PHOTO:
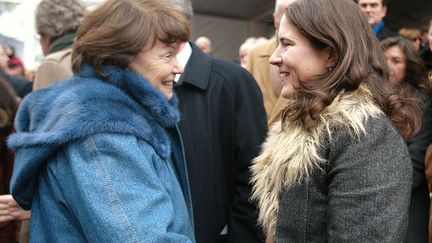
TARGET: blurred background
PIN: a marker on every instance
(228, 23)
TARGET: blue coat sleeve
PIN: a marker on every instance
(121, 191)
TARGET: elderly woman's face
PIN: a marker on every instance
(396, 61)
(297, 59)
(159, 66)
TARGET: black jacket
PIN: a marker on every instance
(385, 33)
(419, 208)
(426, 55)
(20, 85)
(223, 124)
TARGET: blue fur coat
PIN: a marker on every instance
(101, 161)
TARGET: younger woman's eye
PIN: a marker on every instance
(285, 42)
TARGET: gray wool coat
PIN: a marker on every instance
(345, 178)
(361, 195)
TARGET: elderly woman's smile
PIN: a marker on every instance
(159, 65)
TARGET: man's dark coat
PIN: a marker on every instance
(223, 124)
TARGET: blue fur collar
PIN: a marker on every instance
(124, 103)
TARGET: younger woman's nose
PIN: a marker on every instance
(275, 58)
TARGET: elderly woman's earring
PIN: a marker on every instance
(330, 69)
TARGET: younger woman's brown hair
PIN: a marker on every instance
(340, 25)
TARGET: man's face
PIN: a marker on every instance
(374, 10)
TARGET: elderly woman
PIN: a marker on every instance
(407, 73)
(56, 23)
(336, 169)
(98, 156)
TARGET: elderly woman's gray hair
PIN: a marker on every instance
(55, 18)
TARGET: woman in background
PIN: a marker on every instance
(336, 168)
(407, 74)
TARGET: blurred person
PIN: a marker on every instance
(427, 53)
(15, 64)
(244, 49)
(204, 44)
(427, 59)
(98, 156)
(9, 227)
(375, 11)
(413, 35)
(424, 39)
(247, 46)
(260, 40)
(30, 74)
(266, 75)
(408, 75)
(336, 168)
(20, 85)
(56, 23)
(223, 126)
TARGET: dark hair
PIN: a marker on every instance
(340, 25)
(116, 31)
(8, 104)
(8, 107)
(415, 73)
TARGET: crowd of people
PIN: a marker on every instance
(130, 131)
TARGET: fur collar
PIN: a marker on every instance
(71, 109)
(289, 156)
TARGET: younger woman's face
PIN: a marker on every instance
(297, 59)
(396, 61)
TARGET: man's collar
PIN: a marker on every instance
(183, 58)
(198, 69)
(378, 27)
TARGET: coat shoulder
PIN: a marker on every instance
(233, 74)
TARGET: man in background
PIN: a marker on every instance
(56, 23)
(375, 11)
(223, 124)
(204, 44)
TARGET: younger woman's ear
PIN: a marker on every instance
(331, 57)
